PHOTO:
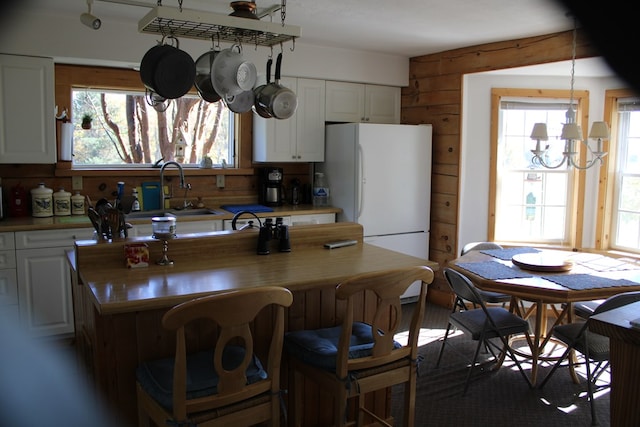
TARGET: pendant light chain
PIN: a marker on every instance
(283, 11)
(571, 111)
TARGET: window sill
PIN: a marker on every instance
(150, 171)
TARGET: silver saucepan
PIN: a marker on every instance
(280, 101)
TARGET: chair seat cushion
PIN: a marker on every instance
(473, 321)
(319, 347)
(598, 344)
(494, 297)
(156, 376)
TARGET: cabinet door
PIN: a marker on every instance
(273, 139)
(310, 117)
(44, 291)
(382, 104)
(344, 102)
(299, 138)
(27, 124)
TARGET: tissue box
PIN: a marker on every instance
(136, 255)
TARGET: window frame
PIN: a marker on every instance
(74, 76)
(576, 216)
(606, 191)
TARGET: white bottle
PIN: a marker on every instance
(320, 190)
(135, 207)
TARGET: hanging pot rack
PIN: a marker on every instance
(195, 24)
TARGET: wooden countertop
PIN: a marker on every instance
(79, 221)
(615, 323)
(221, 261)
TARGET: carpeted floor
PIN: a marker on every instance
(494, 398)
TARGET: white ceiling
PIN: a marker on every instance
(402, 27)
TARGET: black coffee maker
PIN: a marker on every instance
(271, 190)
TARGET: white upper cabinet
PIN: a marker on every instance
(27, 110)
(362, 103)
(299, 138)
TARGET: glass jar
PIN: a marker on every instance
(164, 227)
(42, 201)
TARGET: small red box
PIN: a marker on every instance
(136, 255)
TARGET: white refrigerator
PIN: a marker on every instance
(380, 176)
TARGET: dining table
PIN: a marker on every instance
(551, 280)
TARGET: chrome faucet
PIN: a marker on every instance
(182, 184)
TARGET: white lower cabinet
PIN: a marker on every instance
(182, 227)
(327, 218)
(244, 220)
(8, 280)
(44, 282)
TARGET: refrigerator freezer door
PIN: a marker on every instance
(414, 244)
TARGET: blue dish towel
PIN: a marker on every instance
(251, 208)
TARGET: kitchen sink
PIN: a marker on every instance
(173, 212)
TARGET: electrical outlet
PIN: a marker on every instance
(76, 182)
(220, 181)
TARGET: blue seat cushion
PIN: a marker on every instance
(156, 376)
(319, 347)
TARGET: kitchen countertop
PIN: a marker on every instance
(218, 261)
(79, 221)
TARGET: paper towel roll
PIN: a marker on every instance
(66, 143)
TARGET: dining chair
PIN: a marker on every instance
(487, 296)
(355, 358)
(482, 323)
(226, 384)
(593, 347)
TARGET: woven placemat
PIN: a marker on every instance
(493, 270)
(579, 282)
(507, 254)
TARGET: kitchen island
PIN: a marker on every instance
(118, 311)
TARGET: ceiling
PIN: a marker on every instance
(404, 27)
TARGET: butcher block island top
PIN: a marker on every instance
(118, 310)
(220, 261)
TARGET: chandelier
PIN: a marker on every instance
(571, 133)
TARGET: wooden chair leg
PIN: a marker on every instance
(340, 407)
(410, 399)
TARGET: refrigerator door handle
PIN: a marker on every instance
(361, 180)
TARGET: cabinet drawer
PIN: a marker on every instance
(8, 287)
(7, 241)
(51, 238)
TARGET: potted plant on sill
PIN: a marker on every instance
(86, 121)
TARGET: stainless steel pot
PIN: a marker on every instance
(203, 77)
(280, 101)
(257, 107)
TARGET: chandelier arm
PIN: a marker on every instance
(539, 160)
(588, 165)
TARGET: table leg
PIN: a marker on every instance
(537, 333)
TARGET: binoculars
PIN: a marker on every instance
(270, 231)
